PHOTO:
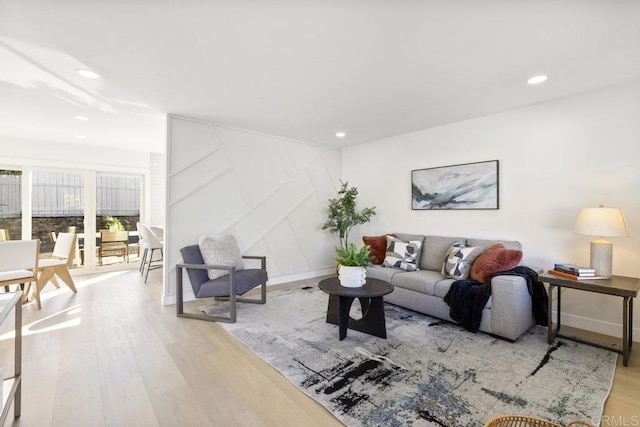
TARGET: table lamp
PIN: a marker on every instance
(602, 222)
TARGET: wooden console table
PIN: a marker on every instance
(12, 386)
(625, 287)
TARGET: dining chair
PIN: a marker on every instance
(152, 244)
(144, 248)
(18, 262)
(50, 269)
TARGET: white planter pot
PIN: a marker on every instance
(352, 277)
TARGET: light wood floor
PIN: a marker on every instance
(111, 355)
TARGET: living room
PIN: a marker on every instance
(562, 145)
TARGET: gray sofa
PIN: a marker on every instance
(508, 312)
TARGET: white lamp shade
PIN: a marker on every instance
(603, 222)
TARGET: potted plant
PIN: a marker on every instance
(113, 224)
(351, 263)
(342, 217)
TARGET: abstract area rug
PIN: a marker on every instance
(427, 372)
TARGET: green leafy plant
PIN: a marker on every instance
(343, 215)
(114, 224)
(351, 256)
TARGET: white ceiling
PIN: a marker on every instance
(300, 69)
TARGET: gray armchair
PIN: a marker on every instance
(225, 288)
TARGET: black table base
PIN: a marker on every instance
(372, 321)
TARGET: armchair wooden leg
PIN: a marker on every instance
(180, 304)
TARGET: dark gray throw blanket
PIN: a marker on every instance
(467, 298)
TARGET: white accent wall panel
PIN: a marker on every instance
(269, 192)
(196, 140)
(257, 165)
(197, 175)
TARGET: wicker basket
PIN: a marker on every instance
(526, 421)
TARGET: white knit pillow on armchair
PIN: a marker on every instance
(220, 250)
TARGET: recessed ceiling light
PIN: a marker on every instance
(88, 73)
(340, 134)
(80, 136)
(537, 79)
(83, 118)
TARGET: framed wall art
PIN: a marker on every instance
(465, 186)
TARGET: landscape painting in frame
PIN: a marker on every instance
(466, 186)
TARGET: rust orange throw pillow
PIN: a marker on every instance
(493, 260)
(377, 247)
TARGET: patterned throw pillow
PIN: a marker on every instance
(401, 254)
(220, 250)
(459, 260)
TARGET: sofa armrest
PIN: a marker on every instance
(511, 313)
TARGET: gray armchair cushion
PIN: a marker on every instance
(191, 255)
(203, 287)
(245, 281)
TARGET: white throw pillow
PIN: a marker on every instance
(220, 250)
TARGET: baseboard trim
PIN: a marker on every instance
(594, 325)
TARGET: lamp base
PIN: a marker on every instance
(602, 257)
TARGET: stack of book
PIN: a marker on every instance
(575, 272)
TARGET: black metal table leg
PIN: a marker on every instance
(626, 331)
(630, 323)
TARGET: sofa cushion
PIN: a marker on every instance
(422, 281)
(381, 273)
(377, 247)
(485, 243)
(442, 287)
(494, 260)
(402, 254)
(435, 250)
(407, 237)
(459, 259)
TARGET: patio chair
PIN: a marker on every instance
(114, 241)
(18, 262)
(225, 288)
(51, 269)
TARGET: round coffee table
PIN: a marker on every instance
(370, 296)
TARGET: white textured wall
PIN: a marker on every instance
(269, 192)
(555, 158)
(157, 188)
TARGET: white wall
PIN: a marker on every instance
(158, 180)
(555, 158)
(269, 192)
